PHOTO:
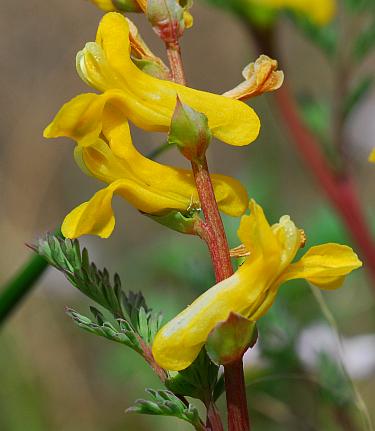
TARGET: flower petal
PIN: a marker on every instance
(105, 5)
(89, 116)
(260, 77)
(320, 12)
(95, 217)
(256, 234)
(372, 156)
(150, 101)
(324, 266)
(179, 342)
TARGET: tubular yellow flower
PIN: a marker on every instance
(372, 156)
(253, 288)
(320, 12)
(119, 5)
(149, 102)
(105, 150)
(260, 77)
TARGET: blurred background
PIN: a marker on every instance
(55, 376)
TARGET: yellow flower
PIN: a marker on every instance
(260, 77)
(252, 289)
(320, 12)
(120, 5)
(372, 156)
(105, 150)
(149, 102)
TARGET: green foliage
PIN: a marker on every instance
(165, 403)
(197, 381)
(123, 334)
(365, 42)
(129, 309)
(316, 114)
(358, 93)
(360, 5)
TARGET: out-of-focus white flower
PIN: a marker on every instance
(358, 353)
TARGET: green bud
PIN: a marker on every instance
(189, 131)
(127, 5)
(230, 339)
(177, 221)
(169, 18)
(150, 67)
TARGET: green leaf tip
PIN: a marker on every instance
(165, 403)
(128, 309)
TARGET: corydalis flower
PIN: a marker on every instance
(372, 156)
(105, 150)
(253, 288)
(149, 102)
(120, 5)
(320, 12)
(260, 77)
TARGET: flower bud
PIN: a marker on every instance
(230, 339)
(177, 221)
(168, 18)
(189, 131)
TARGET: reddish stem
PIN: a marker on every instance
(175, 61)
(339, 188)
(213, 418)
(212, 231)
(148, 356)
(216, 238)
(238, 418)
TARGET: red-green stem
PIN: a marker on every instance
(175, 61)
(213, 418)
(238, 418)
(214, 234)
(339, 188)
(217, 240)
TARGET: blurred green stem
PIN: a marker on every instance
(15, 290)
(20, 285)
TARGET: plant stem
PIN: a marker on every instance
(344, 419)
(215, 237)
(238, 418)
(213, 418)
(218, 244)
(175, 61)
